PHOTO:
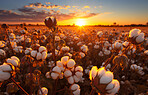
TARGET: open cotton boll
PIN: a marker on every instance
(44, 91)
(15, 58)
(4, 75)
(96, 46)
(42, 48)
(84, 48)
(2, 52)
(107, 52)
(134, 32)
(106, 78)
(47, 75)
(57, 38)
(76, 38)
(101, 72)
(56, 69)
(13, 62)
(67, 73)
(82, 54)
(39, 56)
(44, 55)
(101, 53)
(93, 72)
(59, 64)
(71, 63)
(64, 60)
(117, 45)
(116, 87)
(70, 80)
(125, 43)
(54, 75)
(140, 38)
(5, 68)
(79, 74)
(66, 48)
(133, 66)
(33, 53)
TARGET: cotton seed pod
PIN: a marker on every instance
(50, 22)
(101, 72)
(116, 87)
(15, 58)
(67, 73)
(33, 53)
(71, 63)
(2, 52)
(39, 56)
(42, 49)
(64, 60)
(79, 74)
(121, 60)
(44, 91)
(47, 75)
(13, 62)
(140, 38)
(76, 79)
(44, 55)
(70, 80)
(93, 72)
(79, 68)
(75, 89)
(134, 33)
(5, 68)
(106, 78)
(54, 75)
(4, 75)
(56, 69)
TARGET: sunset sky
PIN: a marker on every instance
(93, 12)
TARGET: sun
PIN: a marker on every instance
(80, 22)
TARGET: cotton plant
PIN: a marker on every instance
(43, 91)
(7, 68)
(84, 48)
(2, 44)
(103, 81)
(67, 68)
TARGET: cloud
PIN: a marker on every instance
(34, 12)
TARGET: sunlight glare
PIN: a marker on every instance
(80, 22)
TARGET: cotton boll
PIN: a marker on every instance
(107, 52)
(4, 75)
(79, 68)
(56, 69)
(42, 48)
(125, 43)
(96, 46)
(39, 56)
(51, 64)
(79, 74)
(67, 73)
(82, 54)
(117, 45)
(140, 38)
(101, 53)
(64, 60)
(71, 63)
(59, 64)
(93, 72)
(106, 78)
(101, 71)
(5, 68)
(33, 53)
(44, 55)
(43, 90)
(54, 75)
(57, 38)
(74, 87)
(134, 32)
(70, 80)
(15, 58)
(146, 52)
(84, 48)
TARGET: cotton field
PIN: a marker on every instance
(52, 60)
